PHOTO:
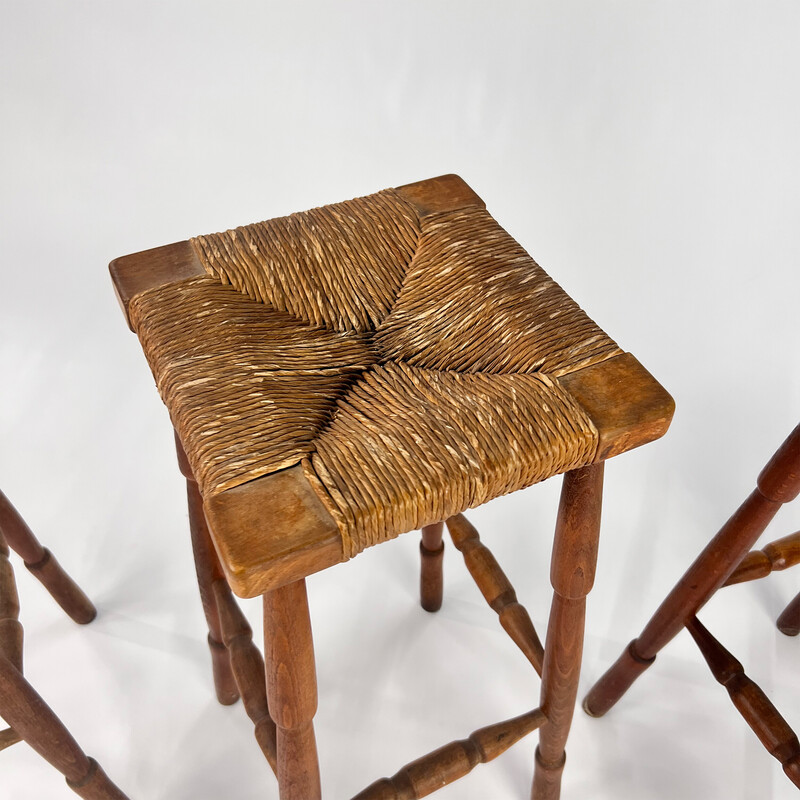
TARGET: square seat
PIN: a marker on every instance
(343, 375)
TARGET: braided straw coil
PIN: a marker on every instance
(405, 360)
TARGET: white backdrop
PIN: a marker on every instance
(646, 154)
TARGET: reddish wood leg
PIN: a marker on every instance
(208, 570)
(43, 565)
(292, 689)
(572, 575)
(789, 620)
(431, 550)
(763, 718)
(778, 483)
(35, 722)
(248, 668)
(496, 589)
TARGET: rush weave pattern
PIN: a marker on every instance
(406, 361)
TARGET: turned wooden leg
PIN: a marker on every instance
(35, 722)
(42, 564)
(431, 550)
(763, 718)
(292, 689)
(572, 575)
(10, 628)
(789, 620)
(208, 570)
(496, 589)
(778, 483)
(248, 668)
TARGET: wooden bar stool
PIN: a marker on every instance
(347, 374)
(726, 560)
(30, 718)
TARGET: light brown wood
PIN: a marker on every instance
(292, 689)
(496, 589)
(435, 195)
(274, 531)
(572, 570)
(778, 555)
(453, 761)
(149, 269)
(625, 402)
(755, 707)
(248, 669)
(431, 581)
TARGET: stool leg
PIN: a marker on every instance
(789, 620)
(35, 722)
(208, 570)
(431, 583)
(572, 575)
(43, 565)
(778, 483)
(10, 627)
(292, 689)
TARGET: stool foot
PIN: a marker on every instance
(789, 620)
(617, 680)
(431, 583)
(62, 588)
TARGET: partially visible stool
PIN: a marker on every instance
(726, 560)
(30, 718)
(350, 373)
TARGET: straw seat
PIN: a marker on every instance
(343, 375)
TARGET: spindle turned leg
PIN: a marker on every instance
(431, 549)
(755, 707)
(43, 565)
(208, 570)
(36, 724)
(572, 575)
(248, 668)
(292, 689)
(778, 483)
(789, 620)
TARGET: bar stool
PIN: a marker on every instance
(726, 560)
(30, 718)
(343, 375)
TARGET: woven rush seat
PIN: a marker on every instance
(385, 362)
(343, 375)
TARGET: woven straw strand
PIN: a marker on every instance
(475, 301)
(248, 388)
(340, 266)
(409, 446)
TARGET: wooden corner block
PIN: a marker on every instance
(445, 193)
(272, 531)
(627, 405)
(148, 269)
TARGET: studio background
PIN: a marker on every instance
(646, 154)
